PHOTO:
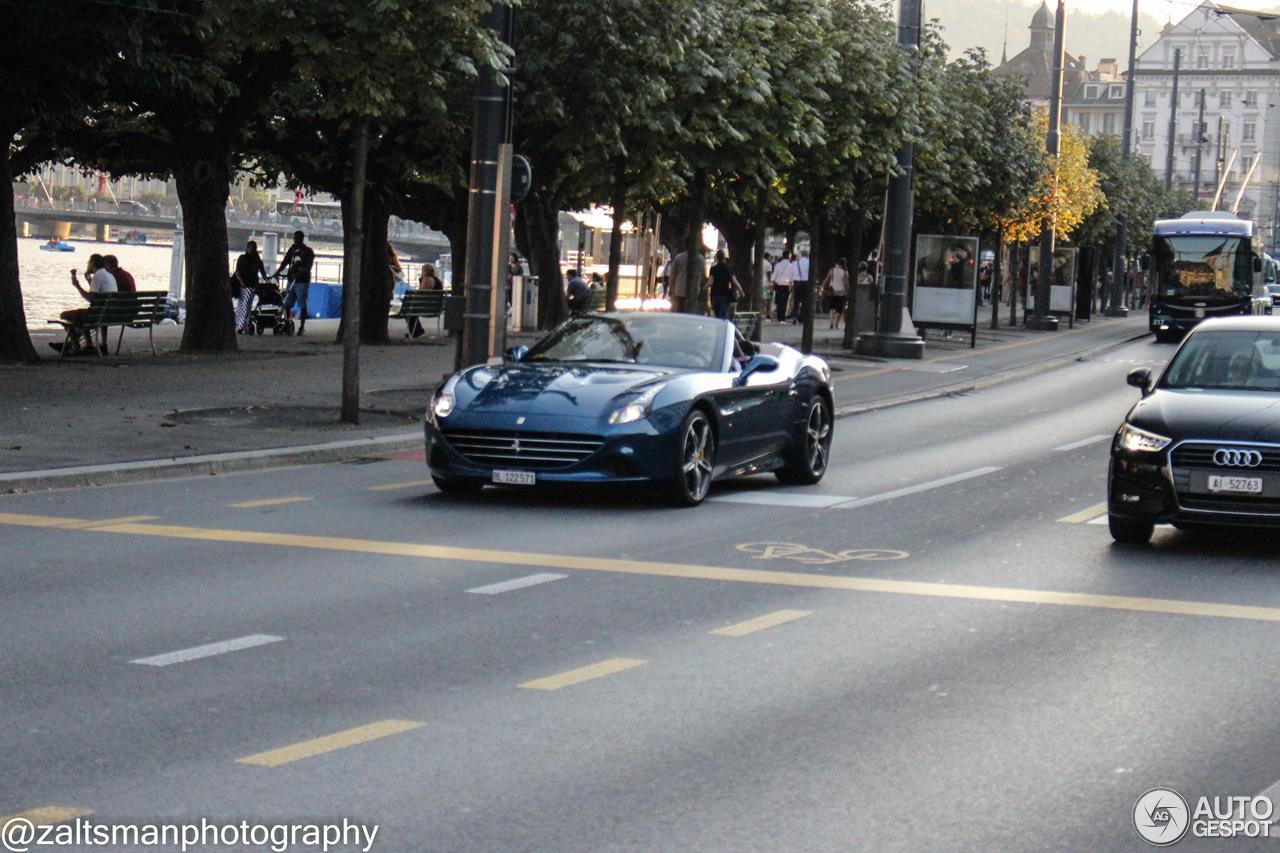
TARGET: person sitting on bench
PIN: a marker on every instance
(99, 281)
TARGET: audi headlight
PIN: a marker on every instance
(443, 405)
(636, 410)
(1140, 441)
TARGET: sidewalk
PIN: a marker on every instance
(283, 392)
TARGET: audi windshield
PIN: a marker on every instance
(1233, 360)
(1195, 266)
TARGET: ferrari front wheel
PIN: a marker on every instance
(696, 460)
(811, 449)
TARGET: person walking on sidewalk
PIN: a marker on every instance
(836, 288)
(784, 275)
(725, 289)
(801, 288)
(249, 271)
(767, 301)
(298, 261)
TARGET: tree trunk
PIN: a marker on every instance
(354, 247)
(814, 285)
(203, 178)
(377, 283)
(695, 267)
(615, 237)
(740, 237)
(1015, 258)
(997, 268)
(15, 340)
(540, 226)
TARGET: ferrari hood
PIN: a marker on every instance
(556, 389)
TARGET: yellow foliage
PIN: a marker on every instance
(1068, 193)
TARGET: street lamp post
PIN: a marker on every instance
(1115, 305)
(1042, 319)
(890, 339)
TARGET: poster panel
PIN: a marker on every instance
(1062, 290)
(945, 280)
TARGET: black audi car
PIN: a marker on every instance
(1202, 446)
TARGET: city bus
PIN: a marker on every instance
(1204, 264)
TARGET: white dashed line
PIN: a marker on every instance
(518, 583)
(1084, 442)
(772, 498)
(920, 487)
(209, 650)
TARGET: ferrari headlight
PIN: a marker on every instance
(636, 410)
(442, 406)
(1140, 441)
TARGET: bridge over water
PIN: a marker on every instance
(45, 221)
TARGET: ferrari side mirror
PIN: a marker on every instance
(757, 364)
(516, 353)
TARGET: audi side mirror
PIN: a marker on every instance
(757, 364)
(1140, 378)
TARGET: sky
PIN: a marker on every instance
(1162, 9)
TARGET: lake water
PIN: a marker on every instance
(46, 276)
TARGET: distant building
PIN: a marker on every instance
(1091, 100)
(1233, 57)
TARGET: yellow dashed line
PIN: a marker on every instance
(1087, 514)
(761, 622)
(268, 502)
(585, 673)
(107, 522)
(391, 487)
(329, 743)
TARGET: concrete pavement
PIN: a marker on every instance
(948, 655)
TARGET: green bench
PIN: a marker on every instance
(141, 310)
(599, 301)
(419, 304)
(746, 323)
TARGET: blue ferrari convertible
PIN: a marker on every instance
(669, 400)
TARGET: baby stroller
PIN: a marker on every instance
(268, 310)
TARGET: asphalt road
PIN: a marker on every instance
(948, 656)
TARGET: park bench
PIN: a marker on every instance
(421, 303)
(141, 310)
(599, 301)
(746, 322)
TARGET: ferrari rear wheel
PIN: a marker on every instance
(811, 452)
(696, 460)
(454, 486)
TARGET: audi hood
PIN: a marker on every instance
(1224, 415)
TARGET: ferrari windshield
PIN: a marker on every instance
(1202, 266)
(661, 339)
(1235, 360)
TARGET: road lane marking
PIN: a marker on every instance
(919, 487)
(45, 815)
(268, 502)
(1102, 519)
(1084, 442)
(329, 743)
(583, 673)
(410, 484)
(774, 498)
(792, 552)
(105, 522)
(208, 650)
(761, 622)
(518, 583)
(1085, 515)
(670, 570)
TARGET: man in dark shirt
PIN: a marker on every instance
(298, 261)
(124, 280)
(579, 295)
(724, 287)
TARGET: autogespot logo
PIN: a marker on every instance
(1161, 817)
(1232, 458)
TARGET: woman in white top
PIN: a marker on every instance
(836, 288)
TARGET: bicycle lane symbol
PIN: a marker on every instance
(817, 556)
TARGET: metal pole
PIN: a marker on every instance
(1043, 319)
(1115, 305)
(487, 212)
(1199, 146)
(891, 338)
(1173, 121)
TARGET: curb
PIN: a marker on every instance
(986, 382)
(212, 463)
